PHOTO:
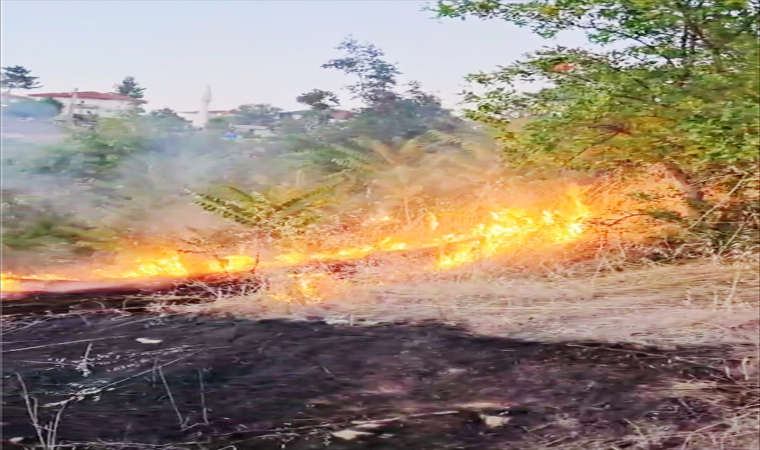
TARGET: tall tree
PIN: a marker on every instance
(130, 88)
(388, 113)
(376, 76)
(18, 77)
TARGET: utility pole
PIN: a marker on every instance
(70, 115)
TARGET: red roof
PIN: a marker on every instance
(7, 95)
(340, 114)
(90, 95)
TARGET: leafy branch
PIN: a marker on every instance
(271, 215)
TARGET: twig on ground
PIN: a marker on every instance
(204, 410)
(638, 352)
(47, 440)
(83, 366)
(180, 419)
(62, 343)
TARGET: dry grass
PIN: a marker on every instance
(693, 303)
(697, 303)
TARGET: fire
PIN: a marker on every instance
(459, 237)
(500, 231)
(170, 266)
(509, 228)
(306, 287)
(9, 284)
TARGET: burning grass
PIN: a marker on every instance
(692, 303)
(532, 289)
(508, 219)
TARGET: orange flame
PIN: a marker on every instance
(499, 231)
(310, 287)
(9, 284)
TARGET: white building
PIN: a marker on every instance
(89, 103)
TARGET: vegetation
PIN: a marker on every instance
(319, 100)
(38, 109)
(387, 113)
(18, 77)
(257, 114)
(272, 213)
(672, 82)
(129, 87)
(28, 226)
(167, 119)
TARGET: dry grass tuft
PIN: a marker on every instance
(704, 302)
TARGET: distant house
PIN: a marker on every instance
(93, 104)
(340, 115)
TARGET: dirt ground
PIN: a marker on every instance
(134, 381)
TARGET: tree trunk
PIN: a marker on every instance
(695, 197)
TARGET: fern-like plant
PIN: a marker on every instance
(271, 214)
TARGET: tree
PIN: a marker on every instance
(220, 123)
(377, 77)
(412, 113)
(130, 88)
(387, 113)
(165, 113)
(93, 156)
(168, 120)
(56, 105)
(18, 77)
(258, 114)
(680, 88)
(319, 100)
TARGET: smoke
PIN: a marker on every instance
(146, 191)
(133, 176)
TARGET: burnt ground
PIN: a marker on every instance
(271, 384)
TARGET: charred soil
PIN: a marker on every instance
(198, 382)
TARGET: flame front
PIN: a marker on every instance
(508, 229)
(9, 284)
(458, 238)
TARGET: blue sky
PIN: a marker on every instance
(253, 51)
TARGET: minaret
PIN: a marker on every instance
(203, 113)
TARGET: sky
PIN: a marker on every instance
(246, 51)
